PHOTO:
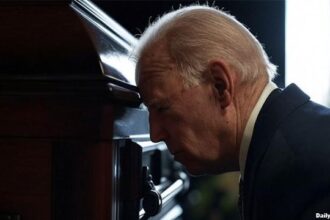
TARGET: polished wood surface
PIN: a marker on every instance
(56, 117)
(55, 158)
(45, 40)
(82, 180)
(25, 171)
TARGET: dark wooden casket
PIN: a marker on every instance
(74, 140)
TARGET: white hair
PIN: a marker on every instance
(195, 35)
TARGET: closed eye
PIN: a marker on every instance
(159, 106)
(162, 109)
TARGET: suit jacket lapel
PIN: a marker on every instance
(276, 108)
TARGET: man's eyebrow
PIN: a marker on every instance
(148, 76)
(154, 102)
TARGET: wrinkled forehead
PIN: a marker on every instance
(153, 60)
(160, 87)
(158, 75)
(158, 78)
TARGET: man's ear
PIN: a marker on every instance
(222, 80)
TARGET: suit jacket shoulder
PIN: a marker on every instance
(287, 166)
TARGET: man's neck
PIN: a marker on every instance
(249, 126)
(247, 99)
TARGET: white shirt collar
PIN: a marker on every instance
(248, 131)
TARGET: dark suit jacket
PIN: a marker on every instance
(288, 165)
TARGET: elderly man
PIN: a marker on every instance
(206, 81)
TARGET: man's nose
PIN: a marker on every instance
(157, 132)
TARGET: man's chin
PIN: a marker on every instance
(195, 171)
(191, 166)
